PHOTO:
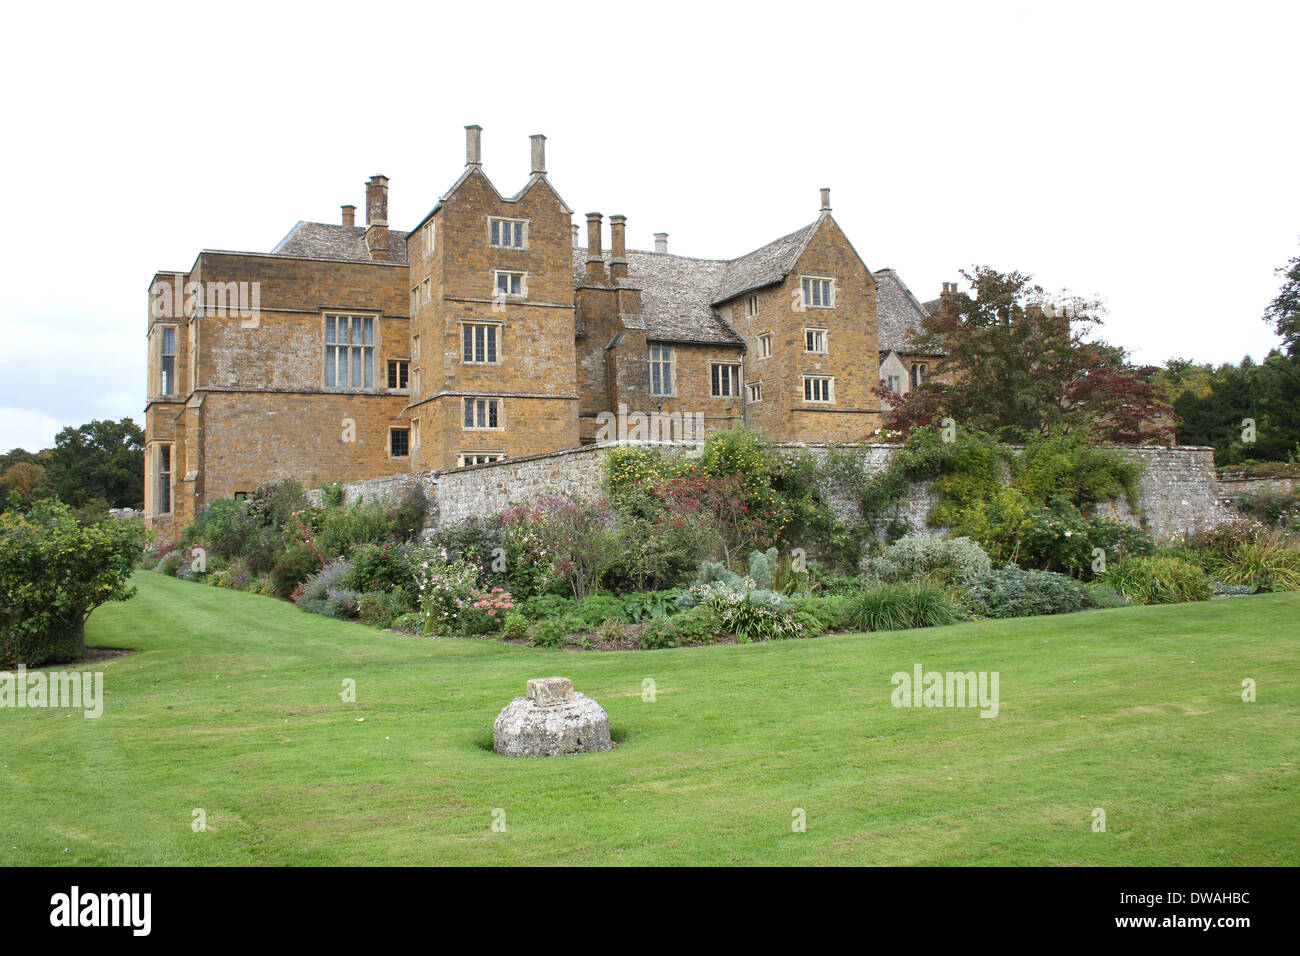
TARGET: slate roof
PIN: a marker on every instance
(764, 266)
(676, 295)
(898, 312)
(320, 240)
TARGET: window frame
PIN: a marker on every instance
(388, 369)
(817, 332)
(491, 405)
(159, 473)
(731, 380)
(523, 225)
(428, 240)
(523, 284)
(492, 456)
(830, 291)
(498, 337)
(809, 394)
(764, 345)
(368, 350)
(754, 392)
(669, 363)
(392, 430)
(751, 306)
(167, 378)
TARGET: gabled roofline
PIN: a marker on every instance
(908, 292)
(803, 247)
(517, 197)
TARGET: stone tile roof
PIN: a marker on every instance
(764, 266)
(320, 240)
(898, 312)
(676, 295)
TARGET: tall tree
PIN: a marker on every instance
(101, 459)
(1021, 364)
(1284, 310)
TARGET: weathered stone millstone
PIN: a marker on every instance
(552, 719)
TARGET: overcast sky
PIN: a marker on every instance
(1142, 152)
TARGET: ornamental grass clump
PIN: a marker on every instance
(1271, 564)
(1158, 579)
(893, 607)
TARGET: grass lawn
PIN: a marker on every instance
(232, 704)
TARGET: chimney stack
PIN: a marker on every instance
(618, 247)
(474, 145)
(376, 200)
(577, 236)
(539, 154)
(661, 242)
(595, 262)
(826, 199)
(349, 215)
(377, 218)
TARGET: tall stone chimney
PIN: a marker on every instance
(661, 242)
(377, 218)
(539, 154)
(377, 200)
(595, 261)
(474, 145)
(577, 235)
(349, 215)
(826, 199)
(618, 247)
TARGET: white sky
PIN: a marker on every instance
(1142, 152)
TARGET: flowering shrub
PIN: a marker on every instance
(451, 601)
(577, 540)
(315, 593)
(749, 612)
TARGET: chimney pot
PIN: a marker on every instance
(539, 154)
(826, 199)
(474, 145)
(661, 242)
(349, 215)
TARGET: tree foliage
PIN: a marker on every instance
(1249, 412)
(53, 573)
(1284, 310)
(101, 459)
(1021, 366)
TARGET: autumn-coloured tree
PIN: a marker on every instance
(1021, 364)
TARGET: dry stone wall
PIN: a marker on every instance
(1177, 494)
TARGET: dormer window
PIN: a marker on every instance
(507, 233)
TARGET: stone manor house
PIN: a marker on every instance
(489, 331)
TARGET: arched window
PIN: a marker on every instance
(918, 374)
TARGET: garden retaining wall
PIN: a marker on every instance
(1178, 493)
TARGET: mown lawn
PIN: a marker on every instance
(232, 704)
